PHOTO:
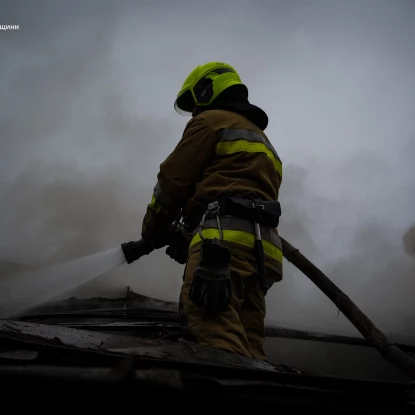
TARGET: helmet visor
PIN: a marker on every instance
(185, 103)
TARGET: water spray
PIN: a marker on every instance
(22, 292)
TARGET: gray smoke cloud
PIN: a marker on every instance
(409, 241)
(88, 119)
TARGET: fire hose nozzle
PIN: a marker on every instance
(134, 250)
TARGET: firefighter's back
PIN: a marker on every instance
(244, 160)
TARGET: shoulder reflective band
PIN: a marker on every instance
(160, 201)
(241, 232)
(233, 140)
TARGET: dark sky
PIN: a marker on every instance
(86, 117)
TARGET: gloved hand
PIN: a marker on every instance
(211, 286)
(178, 246)
(159, 241)
(156, 228)
(211, 293)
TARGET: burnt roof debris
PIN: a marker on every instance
(73, 304)
(122, 346)
(56, 367)
(141, 314)
(64, 337)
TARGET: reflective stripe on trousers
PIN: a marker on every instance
(242, 232)
(232, 140)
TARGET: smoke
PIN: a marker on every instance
(408, 240)
(88, 119)
(55, 213)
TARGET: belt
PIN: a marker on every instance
(243, 208)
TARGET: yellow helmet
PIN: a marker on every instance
(204, 84)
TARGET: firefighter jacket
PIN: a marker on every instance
(221, 153)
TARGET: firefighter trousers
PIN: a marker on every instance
(238, 329)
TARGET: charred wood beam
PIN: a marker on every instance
(325, 337)
(175, 331)
(122, 372)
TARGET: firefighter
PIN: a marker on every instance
(222, 180)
